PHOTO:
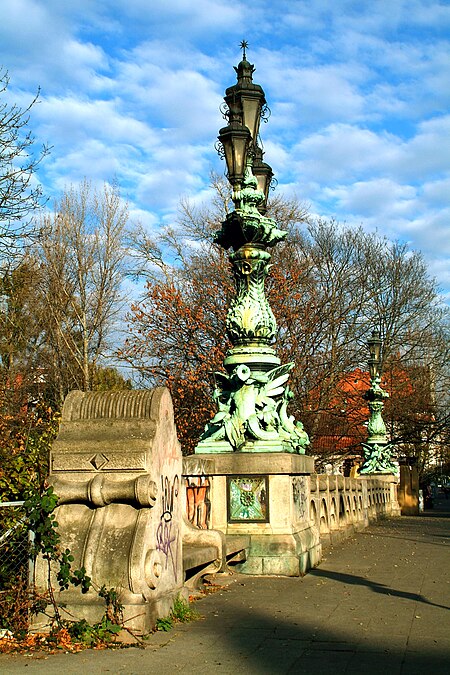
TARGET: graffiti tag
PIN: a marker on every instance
(299, 495)
(197, 501)
(167, 532)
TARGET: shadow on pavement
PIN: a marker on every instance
(269, 644)
(373, 585)
(418, 529)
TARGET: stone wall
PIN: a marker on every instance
(148, 523)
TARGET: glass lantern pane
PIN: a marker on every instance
(262, 184)
(228, 151)
(251, 110)
(240, 147)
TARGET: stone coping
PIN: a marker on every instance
(256, 463)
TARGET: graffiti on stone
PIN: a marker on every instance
(198, 505)
(167, 532)
(300, 496)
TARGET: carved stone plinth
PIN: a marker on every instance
(116, 467)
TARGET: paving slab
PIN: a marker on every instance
(378, 601)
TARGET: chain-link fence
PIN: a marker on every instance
(16, 569)
(15, 565)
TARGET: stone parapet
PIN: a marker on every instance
(251, 463)
(287, 511)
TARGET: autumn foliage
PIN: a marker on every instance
(184, 364)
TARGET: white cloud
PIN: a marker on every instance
(184, 100)
(382, 197)
(179, 15)
(72, 119)
(343, 151)
(429, 151)
(319, 94)
(437, 192)
(40, 49)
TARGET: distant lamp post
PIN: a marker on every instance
(252, 396)
(377, 449)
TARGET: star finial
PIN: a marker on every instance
(244, 46)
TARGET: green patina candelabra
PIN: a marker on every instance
(377, 449)
(253, 395)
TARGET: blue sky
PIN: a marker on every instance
(359, 93)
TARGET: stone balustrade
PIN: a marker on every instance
(340, 506)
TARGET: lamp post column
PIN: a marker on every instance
(377, 449)
(252, 451)
(252, 395)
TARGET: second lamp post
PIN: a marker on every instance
(377, 449)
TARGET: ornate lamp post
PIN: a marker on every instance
(377, 449)
(252, 396)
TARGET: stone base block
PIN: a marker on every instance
(138, 615)
(290, 555)
(282, 539)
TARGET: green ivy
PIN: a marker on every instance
(24, 450)
(42, 522)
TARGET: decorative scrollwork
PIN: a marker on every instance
(273, 184)
(250, 316)
(225, 111)
(265, 113)
(218, 147)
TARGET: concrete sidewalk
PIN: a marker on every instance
(378, 602)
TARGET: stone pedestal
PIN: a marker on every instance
(266, 497)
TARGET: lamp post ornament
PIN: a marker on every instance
(377, 449)
(252, 395)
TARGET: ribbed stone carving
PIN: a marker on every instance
(113, 404)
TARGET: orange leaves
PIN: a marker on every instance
(37, 642)
(177, 339)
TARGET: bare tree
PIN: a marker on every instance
(20, 196)
(82, 268)
(20, 332)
